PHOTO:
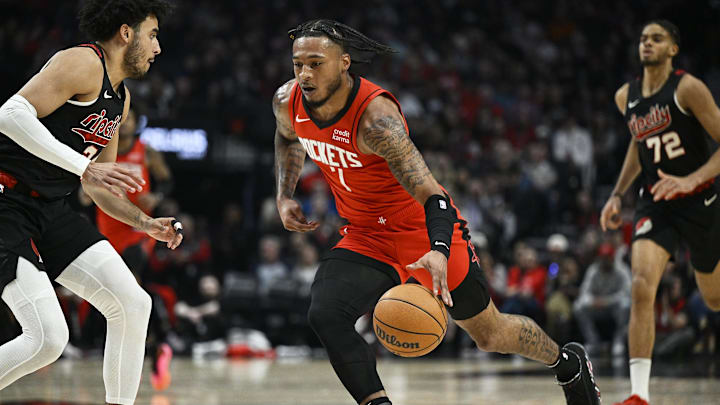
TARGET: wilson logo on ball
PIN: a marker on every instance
(392, 340)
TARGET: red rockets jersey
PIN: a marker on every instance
(118, 233)
(365, 189)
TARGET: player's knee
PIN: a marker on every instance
(643, 292)
(135, 304)
(142, 305)
(320, 318)
(55, 336)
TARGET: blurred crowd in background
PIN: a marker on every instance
(510, 102)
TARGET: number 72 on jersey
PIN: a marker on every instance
(671, 143)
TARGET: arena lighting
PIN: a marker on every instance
(187, 143)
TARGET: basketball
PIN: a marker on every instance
(409, 320)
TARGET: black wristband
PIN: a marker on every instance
(440, 216)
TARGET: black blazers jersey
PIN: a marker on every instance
(87, 127)
(669, 138)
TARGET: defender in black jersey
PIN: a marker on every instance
(58, 132)
(667, 112)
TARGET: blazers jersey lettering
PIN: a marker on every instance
(668, 137)
(363, 185)
(86, 127)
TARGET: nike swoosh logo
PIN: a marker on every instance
(438, 243)
(298, 119)
(106, 95)
(632, 104)
(710, 200)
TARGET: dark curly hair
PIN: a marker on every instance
(100, 19)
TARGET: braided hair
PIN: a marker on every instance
(347, 37)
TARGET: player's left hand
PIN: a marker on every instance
(435, 263)
(669, 186)
(162, 229)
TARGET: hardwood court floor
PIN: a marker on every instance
(311, 382)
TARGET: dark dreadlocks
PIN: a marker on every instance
(347, 37)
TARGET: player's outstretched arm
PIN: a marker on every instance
(289, 161)
(382, 131)
(122, 209)
(693, 95)
(610, 216)
(117, 205)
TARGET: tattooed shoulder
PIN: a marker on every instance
(282, 95)
(280, 102)
(382, 132)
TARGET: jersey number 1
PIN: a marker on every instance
(671, 140)
(342, 178)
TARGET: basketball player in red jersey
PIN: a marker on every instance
(402, 223)
(135, 246)
(666, 111)
(147, 161)
(57, 133)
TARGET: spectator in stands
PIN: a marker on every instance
(674, 336)
(305, 268)
(563, 291)
(526, 284)
(271, 268)
(200, 318)
(604, 296)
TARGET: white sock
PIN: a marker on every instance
(640, 377)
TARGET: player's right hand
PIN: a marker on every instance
(610, 216)
(293, 218)
(118, 178)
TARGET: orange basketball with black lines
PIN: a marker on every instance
(409, 320)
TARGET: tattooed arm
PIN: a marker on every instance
(117, 205)
(289, 160)
(382, 132)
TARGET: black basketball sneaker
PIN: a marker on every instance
(581, 389)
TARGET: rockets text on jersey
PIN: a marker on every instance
(335, 157)
(363, 185)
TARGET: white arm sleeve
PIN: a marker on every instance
(19, 122)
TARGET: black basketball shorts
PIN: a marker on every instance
(694, 220)
(59, 233)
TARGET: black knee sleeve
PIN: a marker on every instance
(343, 291)
(351, 357)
